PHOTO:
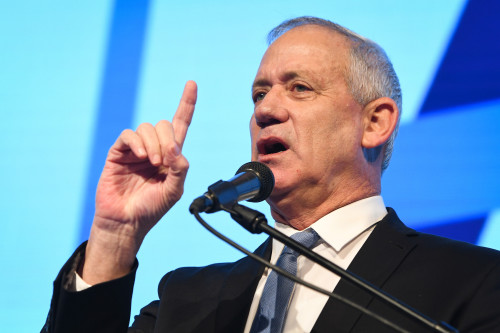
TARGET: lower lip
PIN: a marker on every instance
(268, 157)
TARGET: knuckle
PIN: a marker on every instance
(162, 123)
(126, 133)
(144, 127)
(184, 165)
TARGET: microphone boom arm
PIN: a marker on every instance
(256, 223)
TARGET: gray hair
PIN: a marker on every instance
(369, 74)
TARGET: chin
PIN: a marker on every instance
(282, 188)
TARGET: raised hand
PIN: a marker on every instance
(142, 179)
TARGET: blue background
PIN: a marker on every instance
(73, 75)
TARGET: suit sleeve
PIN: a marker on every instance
(104, 307)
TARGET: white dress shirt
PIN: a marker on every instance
(343, 232)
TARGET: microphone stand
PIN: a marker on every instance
(256, 223)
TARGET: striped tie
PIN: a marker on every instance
(270, 316)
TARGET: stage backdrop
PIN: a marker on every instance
(74, 74)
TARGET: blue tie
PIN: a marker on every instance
(273, 305)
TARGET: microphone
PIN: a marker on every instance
(253, 182)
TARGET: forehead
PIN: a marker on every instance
(307, 48)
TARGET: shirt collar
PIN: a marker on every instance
(341, 226)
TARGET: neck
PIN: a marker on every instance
(301, 210)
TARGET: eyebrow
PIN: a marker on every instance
(260, 83)
(284, 77)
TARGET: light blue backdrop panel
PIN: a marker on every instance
(50, 71)
(55, 81)
(449, 167)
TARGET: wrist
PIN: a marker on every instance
(110, 254)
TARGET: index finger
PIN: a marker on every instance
(184, 113)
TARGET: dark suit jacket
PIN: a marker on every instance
(446, 280)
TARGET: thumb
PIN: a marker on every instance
(178, 167)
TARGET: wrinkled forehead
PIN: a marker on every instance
(307, 48)
(316, 36)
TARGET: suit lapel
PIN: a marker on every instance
(239, 288)
(387, 246)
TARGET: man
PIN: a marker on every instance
(326, 111)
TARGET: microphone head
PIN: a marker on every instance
(265, 176)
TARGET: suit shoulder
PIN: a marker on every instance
(436, 247)
(465, 252)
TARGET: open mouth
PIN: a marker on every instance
(272, 146)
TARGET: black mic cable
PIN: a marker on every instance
(295, 278)
(255, 222)
(254, 181)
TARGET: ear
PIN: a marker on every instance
(380, 118)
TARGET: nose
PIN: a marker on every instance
(271, 109)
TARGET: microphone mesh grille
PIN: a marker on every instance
(265, 176)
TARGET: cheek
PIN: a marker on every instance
(253, 137)
(254, 153)
(330, 139)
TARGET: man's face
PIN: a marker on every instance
(306, 125)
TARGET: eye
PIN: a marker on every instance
(258, 96)
(300, 88)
